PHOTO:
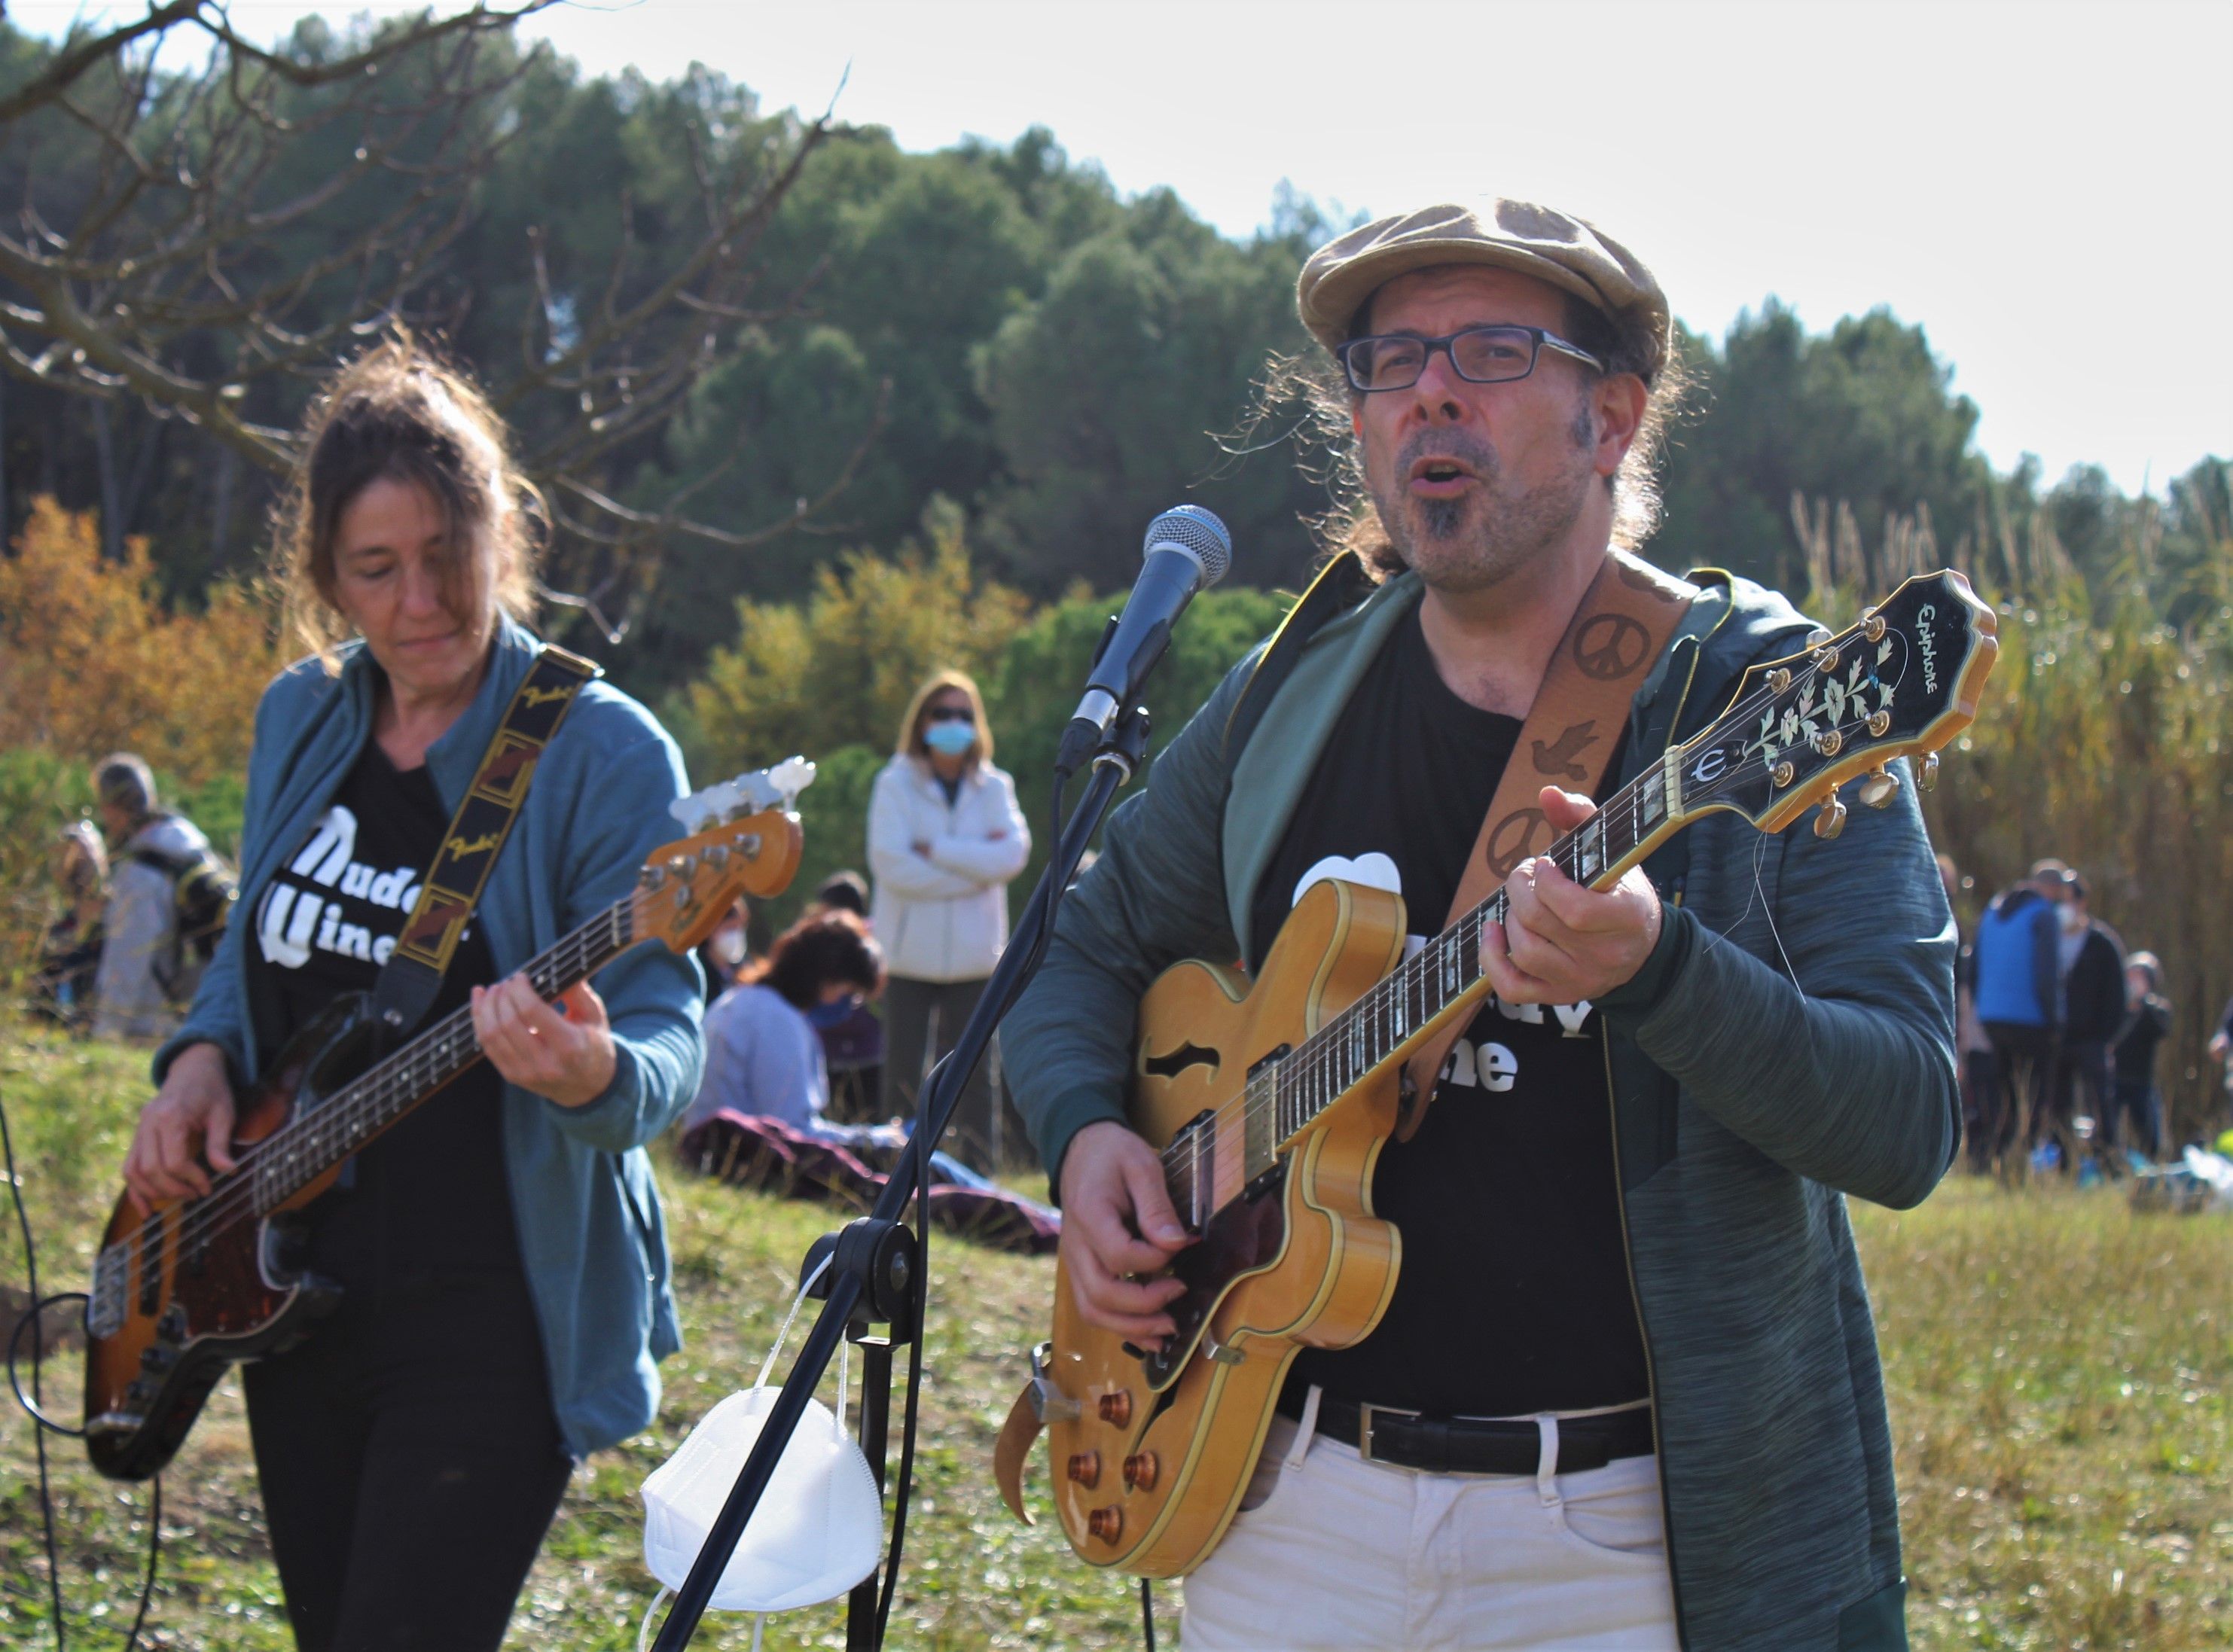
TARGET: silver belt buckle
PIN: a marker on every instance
(1365, 1416)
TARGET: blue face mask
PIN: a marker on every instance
(828, 1015)
(951, 739)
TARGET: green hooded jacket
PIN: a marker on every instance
(1789, 1042)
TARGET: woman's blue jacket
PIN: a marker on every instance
(591, 1236)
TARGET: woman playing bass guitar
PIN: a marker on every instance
(500, 1255)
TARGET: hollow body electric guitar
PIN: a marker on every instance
(184, 1290)
(1269, 1100)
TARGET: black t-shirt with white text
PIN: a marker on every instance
(1514, 1294)
(428, 1199)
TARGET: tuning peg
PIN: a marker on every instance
(1817, 637)
(1879, 788)
(1872, 624)
(1831, 821)
(1928, 779)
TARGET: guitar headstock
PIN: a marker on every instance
(745, 840)
(1902, 681)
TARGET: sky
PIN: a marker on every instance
(2046, 187)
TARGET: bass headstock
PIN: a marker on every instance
(746, 840)
(1903, 681)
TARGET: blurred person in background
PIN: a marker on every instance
(945, 840)
(853, 1044)
(149, 966)
(2134, 1119)
(2090, 960)
(722, 955)
(69, 947)
(1980, 1075)
(2018, 999)
(763, 1052)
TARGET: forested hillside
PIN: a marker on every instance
(991, 328)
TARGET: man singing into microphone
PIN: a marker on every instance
(1625, 1394)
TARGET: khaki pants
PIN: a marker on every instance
(1343, 1553)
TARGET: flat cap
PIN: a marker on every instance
(1567, 253)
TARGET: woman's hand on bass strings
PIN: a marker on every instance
(190, 1117)
(567, 1058)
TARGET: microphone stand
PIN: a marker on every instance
(872, 1274)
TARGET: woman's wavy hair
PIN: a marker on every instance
(1312, 397)
(910, 741)
(401, 413)
(827, 945)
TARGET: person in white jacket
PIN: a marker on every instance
(945, 840)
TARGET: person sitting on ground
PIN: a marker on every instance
(853, 1044)
(763, 1054)
(722, 953)
(148, 973)
(69, 948)
(2147, 1020)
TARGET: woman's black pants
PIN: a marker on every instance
(411, 1463)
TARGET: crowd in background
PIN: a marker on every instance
(2060, 1029)
(838, 1025)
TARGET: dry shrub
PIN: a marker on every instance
(93, 662)
(2105, 738)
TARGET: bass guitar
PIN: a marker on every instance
(1270, 1099)
(184, 1290)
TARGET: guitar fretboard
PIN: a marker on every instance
(312, 1143)
(1405, 1007)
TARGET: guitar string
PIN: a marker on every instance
(372, 1091)
(1294, 1079)
(1291, 1077)
(364, 1096)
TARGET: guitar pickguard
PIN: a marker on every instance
(1243, 1237)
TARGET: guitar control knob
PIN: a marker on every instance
(1139, 1471)
(1116, 1407)
(1086, 1468)
(155, 1359)
(172, 1325)
(1928, 779)
(1879, 788)
(1106, 1524)
(1831, 821)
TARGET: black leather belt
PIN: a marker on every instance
(1477, 1444)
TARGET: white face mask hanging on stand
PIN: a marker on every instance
(819, 1528)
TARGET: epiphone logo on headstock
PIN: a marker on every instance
(1708, 768)
(1928, 648)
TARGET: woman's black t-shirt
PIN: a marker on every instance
(428, 1200)
(1514, 1294)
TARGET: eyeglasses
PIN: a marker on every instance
(1480, 354)
(949, 714)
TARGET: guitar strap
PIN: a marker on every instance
(1618, 629)
(411, 978)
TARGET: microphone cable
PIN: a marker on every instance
(1049, 901)
(33, 1408)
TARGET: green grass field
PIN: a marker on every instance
(2059, 1371)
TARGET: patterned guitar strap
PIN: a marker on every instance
(412, 976)
(1619, 628)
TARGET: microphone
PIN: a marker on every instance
(1186, 548)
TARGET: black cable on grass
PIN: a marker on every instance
(34, 1407)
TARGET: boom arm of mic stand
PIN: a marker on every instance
(1112, 766)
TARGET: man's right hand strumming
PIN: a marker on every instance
(190, 1118)
(1118, 1228)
